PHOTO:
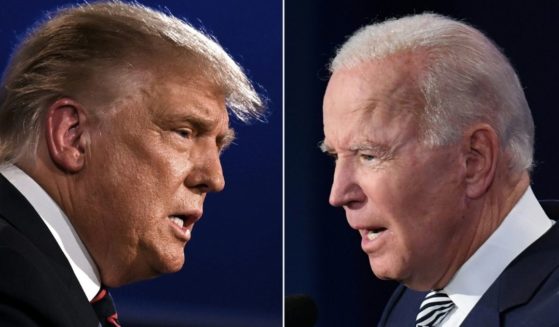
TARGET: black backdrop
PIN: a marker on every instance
(324, 258)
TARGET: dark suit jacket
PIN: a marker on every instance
(525, 294)
(37, 284)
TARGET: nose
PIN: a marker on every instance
(207, 174)
(345, 187)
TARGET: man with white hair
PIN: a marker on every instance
(433, 142)
(112, 120)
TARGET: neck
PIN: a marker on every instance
(484, 216)
(54, 181)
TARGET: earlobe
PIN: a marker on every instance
(481, 159)
(65, 134)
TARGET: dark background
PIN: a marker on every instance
(233, 271)
(324, 258)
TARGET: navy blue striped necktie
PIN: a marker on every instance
(433, 309)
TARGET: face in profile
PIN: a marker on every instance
(405, 198)
(151, 163)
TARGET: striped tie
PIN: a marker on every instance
(434, 309)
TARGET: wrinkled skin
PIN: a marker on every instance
(153, 154)
(387, 179)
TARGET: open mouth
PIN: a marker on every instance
(374, 233)
(178, 220)
(184, 222)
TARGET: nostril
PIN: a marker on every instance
(204, 188)
(211, 185)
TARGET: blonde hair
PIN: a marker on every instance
(78, 43)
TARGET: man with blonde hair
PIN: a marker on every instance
(433, 142)
(112, 120)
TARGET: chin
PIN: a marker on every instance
(401, 278)
(169, 265)
(142, 270)
(382, 271)
(173, 268)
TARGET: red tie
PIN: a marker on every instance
(105, 309)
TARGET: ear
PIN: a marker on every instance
(65, 134)
(481, 159)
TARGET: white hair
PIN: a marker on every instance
(464, 79)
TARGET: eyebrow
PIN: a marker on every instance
(370, 146)
(226, 139)
(203, 125)
(363, 146)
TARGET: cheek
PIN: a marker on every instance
(430, 209)
(169, 162)
(391, 193)
(430, 184)
(128, 188)
(415, 200)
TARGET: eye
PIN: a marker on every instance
(368, 159)
(184, 133)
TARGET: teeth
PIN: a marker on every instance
(179, 222)
(372, 235)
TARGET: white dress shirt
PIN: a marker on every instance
(522, 226)
(60, 227)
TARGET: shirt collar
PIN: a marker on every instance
(60, 227)
(521, 227)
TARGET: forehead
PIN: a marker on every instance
(174, 95)
(167, 83)
(194, 93)
(373, 97)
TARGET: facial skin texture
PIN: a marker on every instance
(155, 154)
(385, 178)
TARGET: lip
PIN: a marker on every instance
(375, 245)
(184, 233)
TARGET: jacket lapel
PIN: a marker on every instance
(537, 262)
(513, 288)
(19, 213)
(485, 313)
